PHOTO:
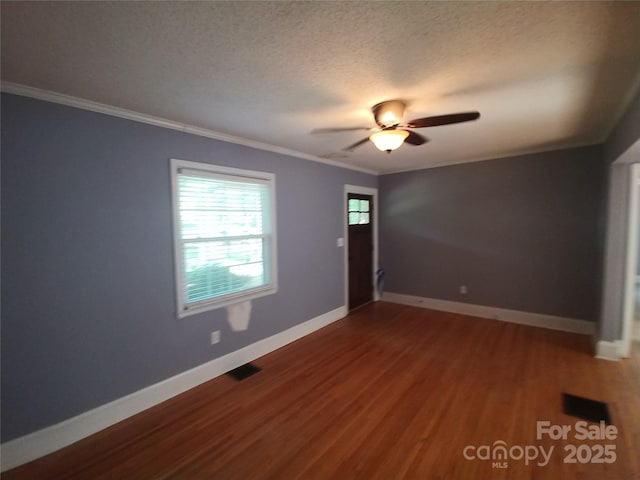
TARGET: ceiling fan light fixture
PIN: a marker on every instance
(388, 140)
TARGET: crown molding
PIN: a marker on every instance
(68, 100)
(522, 153)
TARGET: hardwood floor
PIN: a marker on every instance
(389, 392)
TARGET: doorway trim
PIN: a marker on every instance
(622, 233)
(631, 261)
(345, 218)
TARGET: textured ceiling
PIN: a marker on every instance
(544, 75)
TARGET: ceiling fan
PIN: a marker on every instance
(391, 133)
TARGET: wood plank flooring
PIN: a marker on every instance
(390, 392)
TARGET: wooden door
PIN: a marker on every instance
(360, 230)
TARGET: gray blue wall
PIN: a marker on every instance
(522, 233)
(626, 132)
(88, 301)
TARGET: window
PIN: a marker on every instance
(358, 211)
(224, 230)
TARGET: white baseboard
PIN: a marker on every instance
(505, 315)
(42, 442)
(608, 350)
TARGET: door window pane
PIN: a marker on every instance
(358, 211)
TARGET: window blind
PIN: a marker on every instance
(225, 235)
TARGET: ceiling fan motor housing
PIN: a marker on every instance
(389, 113)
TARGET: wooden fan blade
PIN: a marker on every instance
(351, 148)
(443, 120)
(335, 130)
(415, 138)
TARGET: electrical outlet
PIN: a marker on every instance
(215, 337)
(463, 289)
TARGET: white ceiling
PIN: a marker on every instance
(544, 75)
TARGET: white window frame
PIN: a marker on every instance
(184, 309)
